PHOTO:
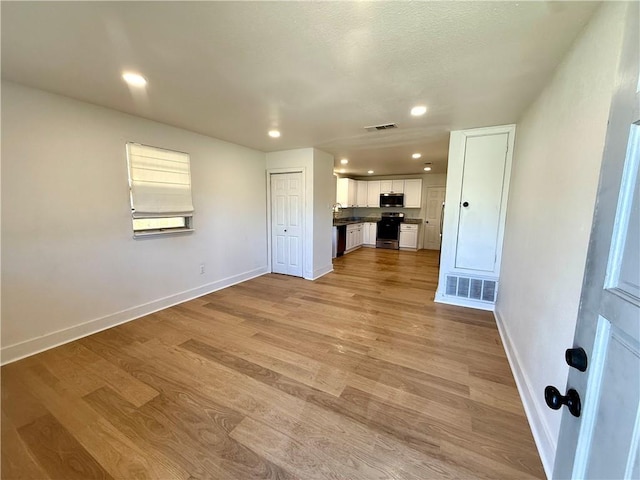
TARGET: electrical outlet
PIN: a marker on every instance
(201, 268)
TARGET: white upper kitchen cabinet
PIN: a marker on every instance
(362, 193)
(397, 186)
(386, 186)
(413, 193)
(478, 176)
(373, 193)
(391, 186)
(346, 192)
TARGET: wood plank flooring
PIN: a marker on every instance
(358, 375)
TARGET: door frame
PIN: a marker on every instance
(277, 171)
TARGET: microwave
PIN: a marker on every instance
(392, 199)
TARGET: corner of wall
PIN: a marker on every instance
(545, 441)
(12, 353)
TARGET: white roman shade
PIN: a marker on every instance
(160, 182)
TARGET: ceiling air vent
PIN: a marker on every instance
(386, 126)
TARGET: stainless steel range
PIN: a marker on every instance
(389, 230)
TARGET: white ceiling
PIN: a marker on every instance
(317, 71)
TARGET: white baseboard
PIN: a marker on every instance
(545, 442)
(353, 249)
(320, 272)
(463, 302)
(14, 352)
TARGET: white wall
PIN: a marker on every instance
(323, 199)
(318, 176)
(559, 145)
(69, 263)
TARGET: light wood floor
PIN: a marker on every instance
(358, 375)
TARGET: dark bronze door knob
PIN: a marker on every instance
(555, 400)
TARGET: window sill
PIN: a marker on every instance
(168, 231)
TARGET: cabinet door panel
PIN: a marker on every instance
(373, 194)
(351, 201)
(413, 193)
(483, 178)
(361, 193)
(342, 192)
(408, 238)
(397, 186)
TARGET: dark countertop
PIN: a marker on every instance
(352, 220)
(349, 221)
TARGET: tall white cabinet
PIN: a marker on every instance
(475, 211)
(346, 194)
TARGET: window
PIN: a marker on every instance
(160, 190)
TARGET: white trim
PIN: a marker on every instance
(623, 211)
(633, 450)
(321, 272)
(14, 352)
(545, 441)
(463, 302)
(591, 401)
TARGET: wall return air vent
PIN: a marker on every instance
(471, 288)
(376, 128)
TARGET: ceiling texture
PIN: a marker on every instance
(317, 71)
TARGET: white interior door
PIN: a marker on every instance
(286, 223)
(435, 199)
(481, 202)
(603, 442)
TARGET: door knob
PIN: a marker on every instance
(576, 358)
(555, 400)
(465, 204)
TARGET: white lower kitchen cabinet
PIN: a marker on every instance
(370, 230)
(354, 236)
(408, 236)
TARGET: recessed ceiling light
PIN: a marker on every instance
(274, 133)
(344, 161)
(134, 79)
(418, 110)
(416, 155)
(370, 172)
(427, 169)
